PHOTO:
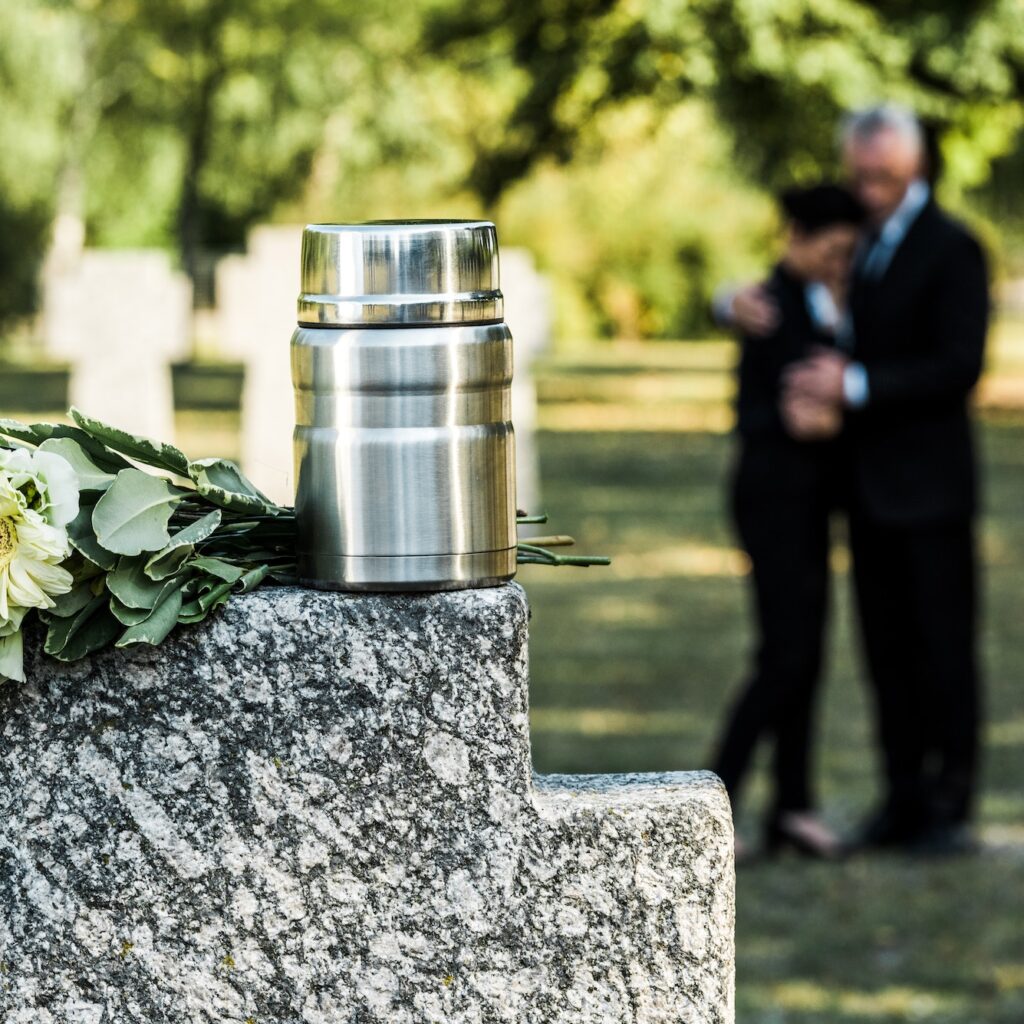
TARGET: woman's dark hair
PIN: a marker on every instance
(822, 206)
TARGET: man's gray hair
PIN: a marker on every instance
(865, 124)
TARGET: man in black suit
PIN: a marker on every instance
(914, 343)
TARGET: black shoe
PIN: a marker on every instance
(945, 840)
(890, 829)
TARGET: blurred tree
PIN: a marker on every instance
(183, 122)
(30, 149)
(190, 119)
(232, 94)
(24, 231)
(779, 72)
(637, 232)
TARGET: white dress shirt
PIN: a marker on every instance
(824, 313)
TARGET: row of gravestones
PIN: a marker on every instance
(121, 318)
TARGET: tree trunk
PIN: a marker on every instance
(190, 226)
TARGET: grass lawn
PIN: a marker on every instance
(633, 668)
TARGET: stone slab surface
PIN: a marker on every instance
(319, 809)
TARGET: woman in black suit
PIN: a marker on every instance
(783, 493)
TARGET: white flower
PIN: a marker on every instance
(38, 498)
(31, 575)
(47, 483)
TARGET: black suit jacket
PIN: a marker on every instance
(773, 468)
(920, 333)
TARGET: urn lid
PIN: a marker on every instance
(400, 273)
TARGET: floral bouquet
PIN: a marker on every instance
(108, 553)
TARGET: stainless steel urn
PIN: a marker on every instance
(402, 365)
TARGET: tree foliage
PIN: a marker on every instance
(779, 72)
(181, 123)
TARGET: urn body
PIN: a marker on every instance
(404, 446)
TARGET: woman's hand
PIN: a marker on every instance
(819, 377)
(808, 419)
(752, 310)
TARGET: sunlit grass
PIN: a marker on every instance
(687, 386)
(1009, 977)
(586, 416)
(611, 722)
(633, 356)
(686, 560)
(633, 669)
(807, 997)
(1006, 733)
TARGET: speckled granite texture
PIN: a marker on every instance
(318, 809)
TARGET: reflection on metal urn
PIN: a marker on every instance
(402, 367)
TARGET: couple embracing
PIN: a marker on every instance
(859, 355)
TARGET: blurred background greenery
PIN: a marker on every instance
(631, 144)
(633, 147)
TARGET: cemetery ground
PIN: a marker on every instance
(634, 666)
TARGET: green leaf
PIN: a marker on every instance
(203, 595)
(285, 576)
(92, 628)
(60, 630)
(22, 431)
(216, 567)
(170, 559)
(99, 631)
(38, 433)
(73, 601)
(128, 616)
(131, 586)
(132, 516)
(252, 579)
(141, 449)
(202, 599)
(12, 658)
(215, 596)
(157, 625)
(162, 565)
(223, 483)
(90, 476)
(83, 539)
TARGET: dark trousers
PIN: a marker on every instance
(783, 523)
(916, 594)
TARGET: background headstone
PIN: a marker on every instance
(529, 316)
(120, 318)
(256, 303)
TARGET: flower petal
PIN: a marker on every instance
(11, 623)
(61, 486)
(38, 539)
(34, 584)
(11, 502)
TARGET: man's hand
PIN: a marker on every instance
(819, 378)
(806, 419)
(754, 311)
